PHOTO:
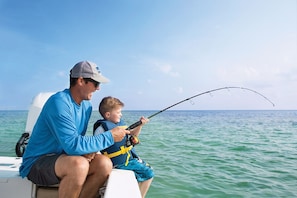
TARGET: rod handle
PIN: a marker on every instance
(136, 124)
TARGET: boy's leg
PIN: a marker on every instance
(144, 186)
(143, 173)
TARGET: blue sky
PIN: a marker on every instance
(155, 52)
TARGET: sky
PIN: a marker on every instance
(155, 52)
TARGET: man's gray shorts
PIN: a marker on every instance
(43, 170)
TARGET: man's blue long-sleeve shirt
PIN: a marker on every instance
(61, 128)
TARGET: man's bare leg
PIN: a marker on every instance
(144, 186)
(100, 169)
(75, 172)
(72, 170)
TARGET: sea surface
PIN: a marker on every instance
(209, 154)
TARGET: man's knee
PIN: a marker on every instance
(102, 163)
(105, 161)
(79, 166)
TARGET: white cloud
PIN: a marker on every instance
(61, 74)
(179, 90)
(149, 81)
(165, 68)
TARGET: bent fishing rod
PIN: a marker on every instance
(136, 124)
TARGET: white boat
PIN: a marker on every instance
(121, 183)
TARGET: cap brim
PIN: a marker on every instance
(100, 78)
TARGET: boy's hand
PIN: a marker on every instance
(144, 120)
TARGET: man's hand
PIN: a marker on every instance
(118, 133)
(90, 156)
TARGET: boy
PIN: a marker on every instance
(122, 155)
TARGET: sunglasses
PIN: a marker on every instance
(96, 84)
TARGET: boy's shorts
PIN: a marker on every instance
(43, 171)
(142, 170)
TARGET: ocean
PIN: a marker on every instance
(212, 154)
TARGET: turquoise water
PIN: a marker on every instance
(205, 153)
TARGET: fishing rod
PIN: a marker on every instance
(136, 124)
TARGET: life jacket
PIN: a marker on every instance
(119, 153)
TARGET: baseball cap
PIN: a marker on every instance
(87, 69)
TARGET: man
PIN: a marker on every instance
(58, 150)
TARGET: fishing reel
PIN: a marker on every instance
(132, 140)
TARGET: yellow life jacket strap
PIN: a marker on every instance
(123, 150)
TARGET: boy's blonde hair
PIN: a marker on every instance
(108, 103)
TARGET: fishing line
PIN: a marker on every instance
(136, 124)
